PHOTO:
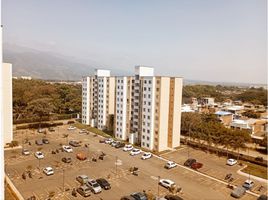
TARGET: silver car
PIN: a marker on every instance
(94, 186)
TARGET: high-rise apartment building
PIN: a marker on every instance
(98, 93)
(147, 108)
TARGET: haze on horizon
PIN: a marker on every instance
(211, 40)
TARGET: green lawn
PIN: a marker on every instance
(91, 129)
(255, 170)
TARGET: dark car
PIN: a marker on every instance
(74, 143)
(103, 183)
(238, 192)
(51, 129)
(189, 162)
(102, 140)
(196, 165)
(127, 198)
(119, 145)
(173, 197)
(262, 197)
(139, 196)
(39, 142)
(66, 160)
(45, 141)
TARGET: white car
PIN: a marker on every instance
(94, 186)
(146, 155)
(71, 128)
(128, 147)
(135, 152)
(39, 155)
(170, 164)
(109, 141)
(48, 171)
(231, 162)
(248, 184)
(167, 183)
(114, 143)
(67, 148)
(25, 152)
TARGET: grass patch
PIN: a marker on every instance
(255, 170)
(91, 129)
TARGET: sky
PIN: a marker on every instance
(211, 40)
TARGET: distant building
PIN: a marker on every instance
(207, 101)
(26, 77)
(240, 124)
(7, 103)
(186, 108)
(225, 117)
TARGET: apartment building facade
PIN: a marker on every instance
(98, 93)
(147, 108)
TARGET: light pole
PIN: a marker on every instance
(158, 186)
(116, 166)
(63, 180)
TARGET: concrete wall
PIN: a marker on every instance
(7, 103)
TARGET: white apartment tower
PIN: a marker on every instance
(147, 108)
(98, 93)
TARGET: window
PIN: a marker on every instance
(147, 145)
(148, 138)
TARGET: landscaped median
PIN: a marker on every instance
(91, 129)
(255, 170)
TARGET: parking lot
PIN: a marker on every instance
(214, 166)
(115, 168)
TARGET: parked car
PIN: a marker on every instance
(39, 142)
(259, 158)
(103, 183)
(170, 164)
(108, 141)
(146, 155)
(114, 143)
(238, 192)
(139, 196)
(262, 197)
(94, 186)
(135, 152)
(102, 140)
(66, 160)
(127, 198)
(83, 179)
(67, 149)
(39, 130)
(167, 183)
(74, 143)
(189, 162)
(39, 155)
(128, 147)
(45, 141)
(84, 191)
(120, 145)
(48, 171)
(173, 197)
(196, 165)
(83, 131)
(71, 128)
(25, 152)
(81, 156)
(231, 161)
(51, 129)
(248, 184)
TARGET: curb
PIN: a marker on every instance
(251, 176)
(13, 188)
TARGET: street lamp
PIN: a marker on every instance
(63, 179)
(158, 186)
(116, 166)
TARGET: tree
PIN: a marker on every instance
(41, 107)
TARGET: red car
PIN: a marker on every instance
(81, 156)
(196, 165)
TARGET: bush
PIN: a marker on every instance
(70, 122)
(36, 125)
(14, 143)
